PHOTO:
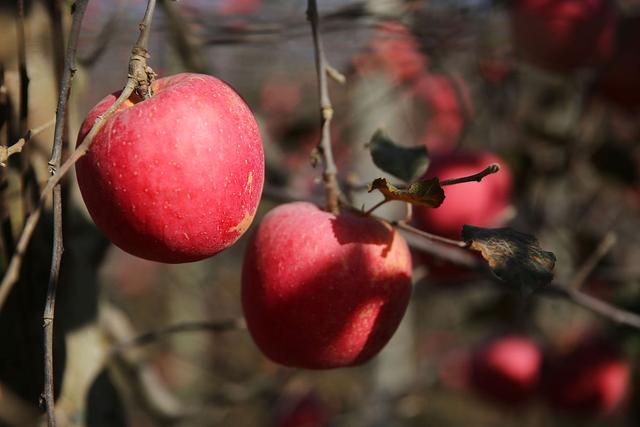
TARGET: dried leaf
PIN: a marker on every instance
(406, 163)
(422, 193)
(514, 257)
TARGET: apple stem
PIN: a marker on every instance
(491, 169)
(326, 112)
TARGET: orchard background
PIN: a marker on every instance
(547, 89)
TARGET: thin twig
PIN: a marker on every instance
(493, 168)
(590, 263)
(404, 226)
(58, 246)
(376, 206)
(22, 69)
(138, 80)
(6, 152)
(151, 336)
(326, 112)
(595, 305)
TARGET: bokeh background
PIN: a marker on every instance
(550, 88)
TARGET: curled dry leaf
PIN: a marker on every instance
(514, 257)
(422, 193)
(405, 163)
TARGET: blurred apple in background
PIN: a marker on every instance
(394, 50)
(482, 204)
(507, 368)
(562, 35)
(618, 81)
(447, 102)
(304, 410)
(593, 378)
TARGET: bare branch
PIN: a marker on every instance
(211, 326)
(585, 270)
(491, 169)
(326, 112)
(139, 79)
(6, 152)
(58, 248)
(406, 227)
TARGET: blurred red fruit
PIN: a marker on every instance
(619, 82)
(303, 411)
(448, 104)
(482, 204)
(592, 379)
(239, 7)
(394, 50)
(507, 369)
(562, 35)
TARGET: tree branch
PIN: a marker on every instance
(491, 169)
(326, 112)
(58, 247)
(151, 336)
(6, 152)
(139, 79)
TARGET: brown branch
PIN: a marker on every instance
(6, 152)
(491, 169)
(595, 305)
(22, 69)
(210, 326)
(590, 263)
(58, 247)
(138, 80)
(332, 191)
(406, 227)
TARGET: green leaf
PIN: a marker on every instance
(514, 257)
(422, 193)
(406, 163)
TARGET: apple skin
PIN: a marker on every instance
(562, 35)
(482, 204)
(175, 178)
(591, 379)
(323, 291)
(507, 369)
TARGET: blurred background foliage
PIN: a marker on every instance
(550, 87)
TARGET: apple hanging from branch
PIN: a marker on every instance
(176, 177)
(321, 290)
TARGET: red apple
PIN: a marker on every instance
(482, 204)
(177, 177)
(507, 368)
(619, 81)
(562, 35)
(324, 291)
(592, 379)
